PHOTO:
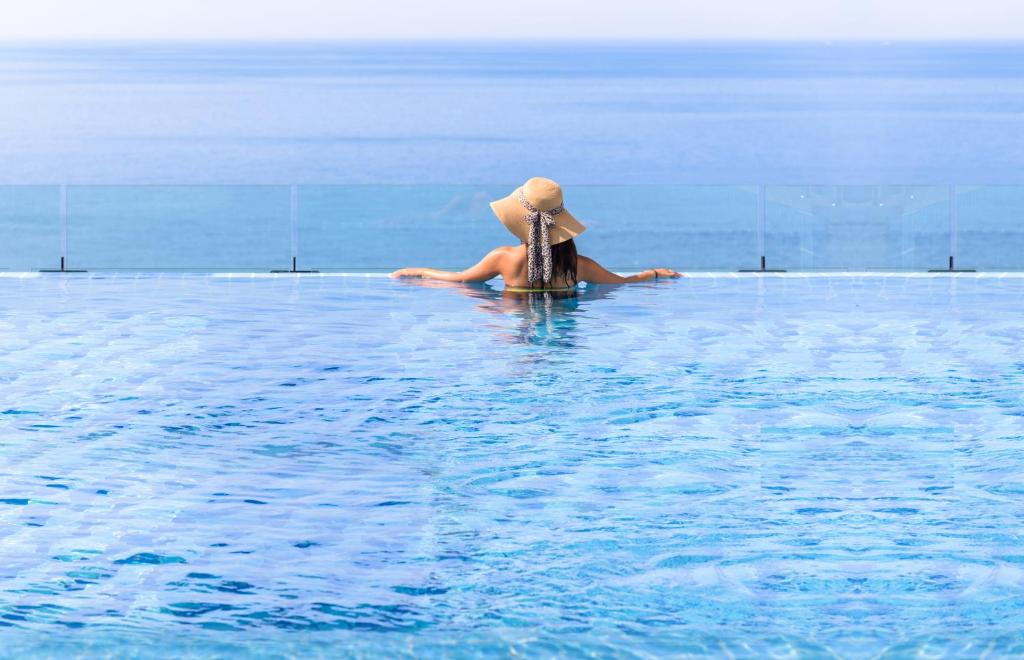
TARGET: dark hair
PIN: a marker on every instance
(563, 263)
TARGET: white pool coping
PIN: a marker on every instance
(690, 274)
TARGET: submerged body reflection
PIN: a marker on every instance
(542, 318)
(545, 318)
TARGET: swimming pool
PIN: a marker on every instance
(747, 465)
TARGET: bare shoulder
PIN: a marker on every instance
(508, 252)
(586, 264)
(591, 271)
(507, 249)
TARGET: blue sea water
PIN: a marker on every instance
(348, 466)
(723, 113)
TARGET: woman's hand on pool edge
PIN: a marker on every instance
(659, 273)
(408, 272)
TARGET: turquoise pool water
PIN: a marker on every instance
(815, 466)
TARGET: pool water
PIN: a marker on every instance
(800, 466)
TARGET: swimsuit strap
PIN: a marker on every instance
(518, 289)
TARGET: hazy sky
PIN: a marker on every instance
(519, 19)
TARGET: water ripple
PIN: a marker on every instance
(763, 468)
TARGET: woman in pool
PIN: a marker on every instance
(547, 259)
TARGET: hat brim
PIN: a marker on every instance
(511, 214)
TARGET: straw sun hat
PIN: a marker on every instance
(535, 214)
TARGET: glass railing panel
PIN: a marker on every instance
(675, 226)
(990, 227)
(30, 227)
(244, 228)
(629, 227)
(857, 227)
(382, 227)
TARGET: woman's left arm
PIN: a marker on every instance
(489, 266)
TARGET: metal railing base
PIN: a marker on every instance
(62, 269)
(763, 269)
(294, 268)
(951, 268)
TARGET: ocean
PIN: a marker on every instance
(475, 113)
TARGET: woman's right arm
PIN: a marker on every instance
(489, 266)
(588, 270)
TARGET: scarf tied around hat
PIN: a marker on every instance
(538, 264)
